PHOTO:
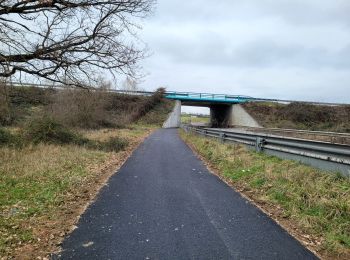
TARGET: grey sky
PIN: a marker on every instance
(295, 49)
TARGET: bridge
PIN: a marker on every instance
(190, 98)
(225, 109)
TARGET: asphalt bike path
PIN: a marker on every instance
(164, 204)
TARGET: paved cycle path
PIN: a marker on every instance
(164, 204)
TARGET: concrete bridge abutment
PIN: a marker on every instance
(223, 116)
(174, 118)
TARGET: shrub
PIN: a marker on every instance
(9, 139)
(47, 130)
(5, 137)
(113, 144)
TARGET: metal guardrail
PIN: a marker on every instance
(324, 155)
(323, 133)
(323, 136)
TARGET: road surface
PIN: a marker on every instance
(164, 204)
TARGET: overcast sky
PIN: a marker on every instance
(290, 49)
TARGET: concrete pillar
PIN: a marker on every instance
(174, 119)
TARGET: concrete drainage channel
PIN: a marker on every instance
(323, 155)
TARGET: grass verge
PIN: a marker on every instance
(311, 204)
(189, 119)
(44, 188)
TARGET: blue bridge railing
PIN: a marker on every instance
(221, 98)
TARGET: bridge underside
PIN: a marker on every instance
(225, 110)
(222, 115)
(220, 112)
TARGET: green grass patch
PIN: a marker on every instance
(34, 182)
(318, 202)
(188, 119)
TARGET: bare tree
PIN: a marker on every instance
(70, 41)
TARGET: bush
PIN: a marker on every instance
(9, 139)
(5, 137)
(47, 130)
(113, 144)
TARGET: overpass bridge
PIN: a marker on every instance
(224, 109)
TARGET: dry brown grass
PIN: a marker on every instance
(301, 116)
(5, 115)
(100, 109)
(83, 108)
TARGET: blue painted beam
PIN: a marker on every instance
(207, 97)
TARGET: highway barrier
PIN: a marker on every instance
(324, 155)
